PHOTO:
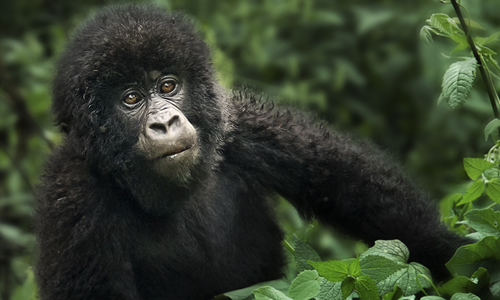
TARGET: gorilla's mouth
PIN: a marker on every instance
(174, 152)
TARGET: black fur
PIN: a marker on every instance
(96, 242)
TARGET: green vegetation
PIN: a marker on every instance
(357, 64)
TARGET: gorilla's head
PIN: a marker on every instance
(135, 89)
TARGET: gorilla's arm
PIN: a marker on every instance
(80, 242)
(348, 184)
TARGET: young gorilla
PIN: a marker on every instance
(160, 188)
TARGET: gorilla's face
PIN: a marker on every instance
(167, 143)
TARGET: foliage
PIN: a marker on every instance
(356, 63)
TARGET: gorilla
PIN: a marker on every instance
(162, 184)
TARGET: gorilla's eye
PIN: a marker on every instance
(168, 86)
(132, 98)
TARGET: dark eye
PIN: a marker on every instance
(168, 86)
(132, 98)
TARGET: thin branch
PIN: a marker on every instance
(482, 68)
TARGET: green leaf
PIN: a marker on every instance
(329, 290)
(474, 167)
(473, 192)
(469, 23)
(460, 296)
(28, 290)
(394, 295)
(468, 258)
(243, 294)
(347, 287)
(333, 270)
(366, 288)
(457, 82)
(486, 221)
(269, 293)
(354, 269)
(444, 24)
(394, 250)
(305, 286)
(487, 40)
(492, 129)
(461, 284)
(386, 263)
(493, 189)
(425, 34)
(303, 253)
(432, 298)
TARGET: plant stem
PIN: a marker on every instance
(484, 72)
(288, 246)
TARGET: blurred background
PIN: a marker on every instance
(360, 65)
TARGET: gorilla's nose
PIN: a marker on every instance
(164, 125)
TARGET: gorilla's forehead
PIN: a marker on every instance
(125, 41)
(153, 75)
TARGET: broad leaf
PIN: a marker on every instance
(347, 287)
(269, 293)
(473, 192)
(386, 263)
(493, 189)
(333, 270)
(303, 253)
(468, 258)
(366, 288)
(461, 296)
(444, 24)
(305, 286)
(245, 293)
(492, 129)
(474, 167)
(425, 34)
(486, 221)
(457, 82)
(461, 284)
(329, 290)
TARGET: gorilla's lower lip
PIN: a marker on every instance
(172, 154)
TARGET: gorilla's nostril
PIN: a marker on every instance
(173, 120)
(158, 127)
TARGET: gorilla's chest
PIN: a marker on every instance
(202, 252)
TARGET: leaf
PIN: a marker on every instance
(473, 192)
(432, 298)
(487, 40)
(386, 263)
(485, 221)
(366, 288)
(443, 23)
(305, 286)
(425, 34)
(493, 189)
(243, 294)
(394, 250)
(468, 258)
(474, 167)
(461, 284)
(492, 129)
(333, 270)
(461, 296)
(394, 295)
(269, 293)
(303, 253)
(457, 82)
(354, 269)
(347, 287)
(329, 290)
(469, 23)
